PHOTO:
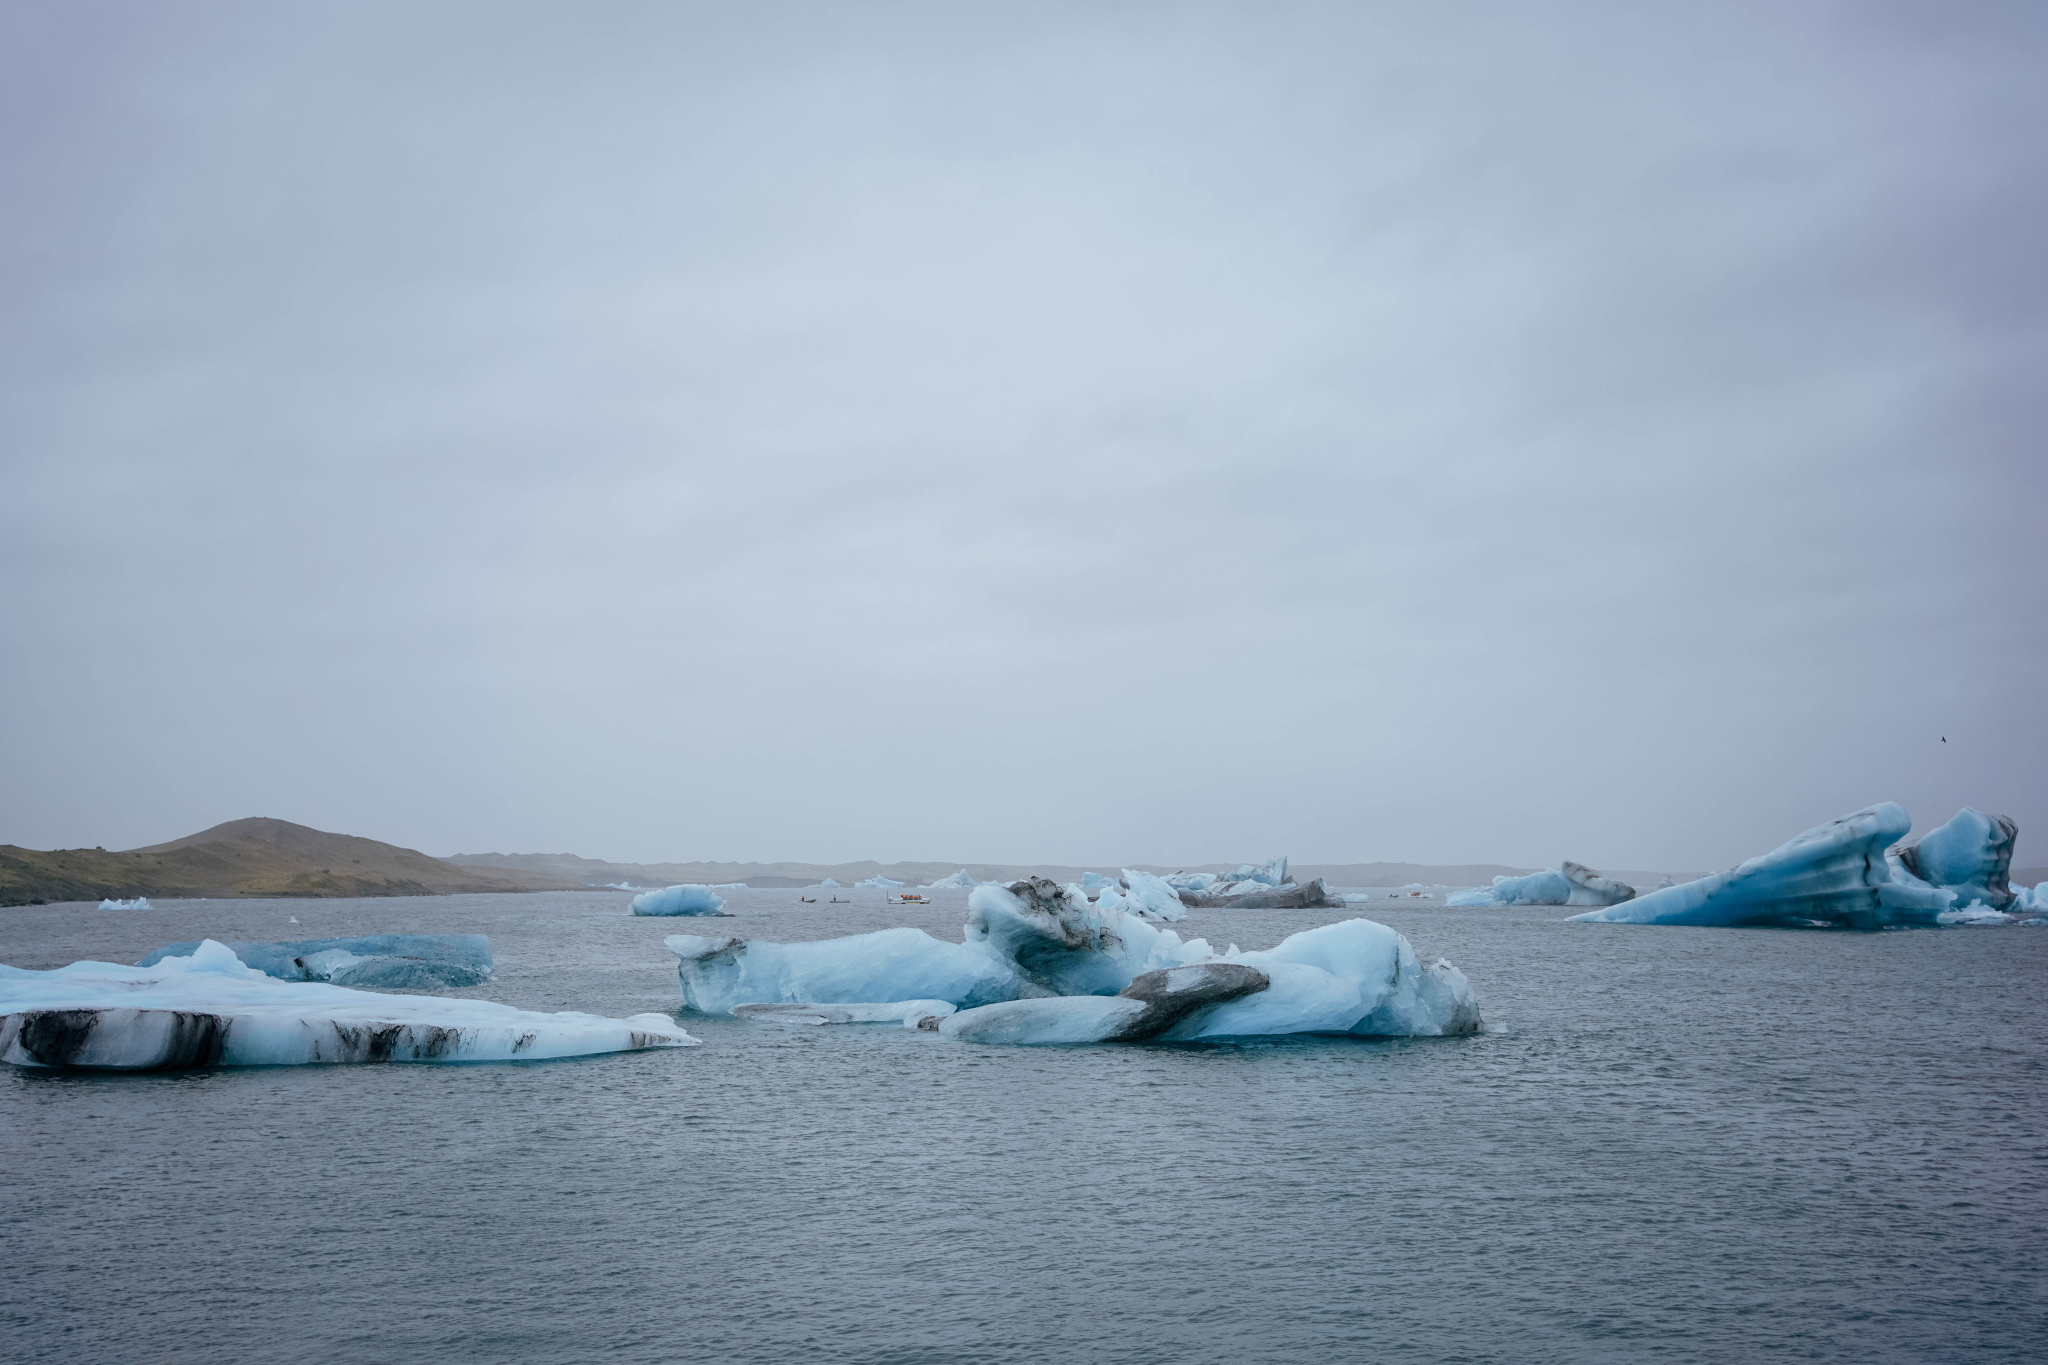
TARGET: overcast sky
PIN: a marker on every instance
(1023, 432)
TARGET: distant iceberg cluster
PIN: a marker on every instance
(1038, 963)
(1857, 872)
(1267, 886)
(679, 900)
(413, 962)
(208, 1008)
(1568, 883)
(139, 903)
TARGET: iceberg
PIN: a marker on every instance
(208, 1008)
(1048, 963)
(679, 900)
(1145, 895)
(1568, 883)
(406, 962)
(959, 881)
(877, 883)
(828, 884)
(1971, 855)
(139, 903)
(1832, 876)
(1093, 881)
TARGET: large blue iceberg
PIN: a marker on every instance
(679, 900)
(207, 1008)
(1039, 964)
(1833, 876)
(402, 962)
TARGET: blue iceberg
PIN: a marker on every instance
(878, 883)
(1832, 876)
(1971, 855)
(1568, 883)
(959, 881)
(679, 900)
(400, 962)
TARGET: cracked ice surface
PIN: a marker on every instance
(209, 1009)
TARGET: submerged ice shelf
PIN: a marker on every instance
(209, 1009)
(1038, 963)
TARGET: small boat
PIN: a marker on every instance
(808, 900)
(908, 898)
(836, 901)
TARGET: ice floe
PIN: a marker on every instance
(878, 883)
(139, 903)
(679, 900)
(419, 962)
(1568, 883)
(210, 1009)
(1049, 964)
(1832, 876)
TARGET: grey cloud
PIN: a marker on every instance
(1161, 432)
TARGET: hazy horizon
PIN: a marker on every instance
(1438, 434)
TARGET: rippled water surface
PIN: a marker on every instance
(1679, 1145)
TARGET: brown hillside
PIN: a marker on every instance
(256, 857)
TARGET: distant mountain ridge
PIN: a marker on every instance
(254, 857)
(599, 872)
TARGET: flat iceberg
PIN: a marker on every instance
(877, 883)
(1832, 876)
(1050, 965)
(1568, 883)
(959, 881)
(679, 900)
(405, 962)
(209, 1009)
(908, 1013)
(139, 903)
(1971, 855)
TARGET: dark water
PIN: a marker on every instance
(1688, 1145)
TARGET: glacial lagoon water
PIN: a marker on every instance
(1677, 1145)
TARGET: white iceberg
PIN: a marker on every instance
(419, 962)
(139, 903)
(1047, 960)
(679, 900)
(1834, 875)
(209, 1009)
(1971, 855)
(828, 885)
(1976, 912)
(1143, 894)
(877, 883)
(959, 881)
